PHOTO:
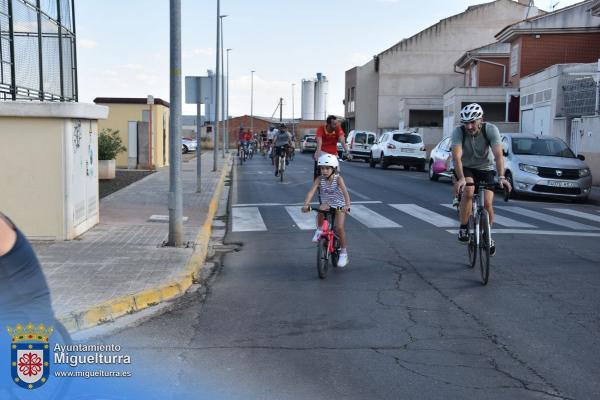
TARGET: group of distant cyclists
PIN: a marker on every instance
(476, 158)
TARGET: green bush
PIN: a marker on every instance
(109, 144)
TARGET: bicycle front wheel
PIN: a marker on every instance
(281, 167)
(322, 258)
(484, 246)
(472, 245)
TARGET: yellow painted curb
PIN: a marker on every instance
(114, 308)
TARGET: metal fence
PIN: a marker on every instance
(38, 58)
(581, 95)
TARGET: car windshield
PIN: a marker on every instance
(541, 147)
(406, 138)
(311, 139)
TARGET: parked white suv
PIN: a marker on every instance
(399, 148)
(359, 144)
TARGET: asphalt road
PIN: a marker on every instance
(406, 319)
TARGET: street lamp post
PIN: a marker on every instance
(217, 72)
(252, 101)
(227, 107)
(222, 84)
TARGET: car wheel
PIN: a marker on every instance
(382, 162)
(432, 176)
(184, 149)
(371, 161)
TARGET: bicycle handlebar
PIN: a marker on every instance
(337, 209)
(491, 186)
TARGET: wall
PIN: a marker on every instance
(590, 142)
(121, 114)
(366, 97)
(423, 65)
(32, 163)
(549, 49)
(491, 74)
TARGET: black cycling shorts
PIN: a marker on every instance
(479, 175)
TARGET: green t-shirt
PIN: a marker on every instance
(477, 153)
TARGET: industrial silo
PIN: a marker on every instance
(321, 89)
(308, 99)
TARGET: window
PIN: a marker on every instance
(360, 138)
(407, 138)
(514, 60)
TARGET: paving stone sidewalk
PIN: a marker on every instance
(124, 254)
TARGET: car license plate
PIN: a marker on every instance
(407, 150)
(562, 184)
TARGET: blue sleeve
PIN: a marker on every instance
(457, 136)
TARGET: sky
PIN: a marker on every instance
(123, 45)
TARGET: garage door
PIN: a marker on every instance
(527, 121)
(541, 120)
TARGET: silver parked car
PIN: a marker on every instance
(543, 165)
(188, 145)
(308, 143)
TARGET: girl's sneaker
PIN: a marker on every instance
(455, 202)
(343, 260)
(317, 236)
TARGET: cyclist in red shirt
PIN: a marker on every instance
(327, 138)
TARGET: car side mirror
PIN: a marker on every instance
(581, 157)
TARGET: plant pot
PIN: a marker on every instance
(106, 169)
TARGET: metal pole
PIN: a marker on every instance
(11, 35)
(252, 100)
(281, 109)
(40, 51)
(224, 133)
(175, 195)
(293, 128)
(217, 72)
(75, 78)
(198, 149)
(227, 113)
(60, 52)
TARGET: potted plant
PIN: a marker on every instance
(109, 146)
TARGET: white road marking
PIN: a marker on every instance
(536, 232)
(163, 218)
(295, 204)
(247, 219)
(370, 218)
(304, 221)
(426, 215)
(504, 221)
(549, 218)
(357, 194)
(575, 213)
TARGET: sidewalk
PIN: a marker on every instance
(120, 265)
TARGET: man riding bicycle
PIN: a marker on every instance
(474, 162)
(281, 141)
(327, 138)
(244, 138)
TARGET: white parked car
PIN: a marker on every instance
(309, 143)
(399, 148)
(188, 145)
(359, 144)
(442, 151)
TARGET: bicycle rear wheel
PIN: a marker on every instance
(281, 167)
(472, 245)
(241, 156)
(322, 258)
(484, 246)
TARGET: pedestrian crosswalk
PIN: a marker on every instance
(376, 215)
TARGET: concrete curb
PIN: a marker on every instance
(117, 307)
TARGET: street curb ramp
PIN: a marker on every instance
(129, 304)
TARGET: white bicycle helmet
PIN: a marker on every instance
(471, 112)
(328, 160)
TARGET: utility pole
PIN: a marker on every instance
(281, 109)
(175, 196)
(252, 101)
(293, 120)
